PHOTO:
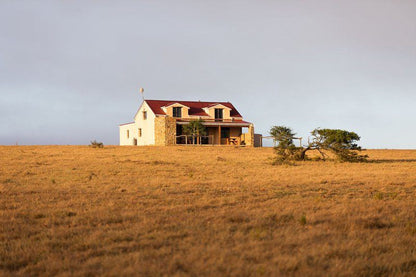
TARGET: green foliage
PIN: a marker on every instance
(194, 128)
(335, 138)
(340, 142)
(286, 151)
(96, 144)
(283, 135)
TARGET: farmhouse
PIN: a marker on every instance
(160, 122)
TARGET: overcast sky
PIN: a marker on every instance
(70, 71)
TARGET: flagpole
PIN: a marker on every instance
(142, 92)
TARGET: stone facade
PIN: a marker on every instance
(249, 137)
(165, 130)
(155, 123)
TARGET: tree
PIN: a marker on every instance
(286, 150)
(340, 142)
(195, 128)
(283, 135)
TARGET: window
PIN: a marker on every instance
(218, 114)
(177, 112)
(179, 130)
(140, 132)
(128, 133)
(225, 132)
(144, 115)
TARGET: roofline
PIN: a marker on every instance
(140, 108)
(126, 123)
(173, 103)
(150, 108)
(218, 104)
(187, 101)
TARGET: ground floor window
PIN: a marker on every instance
(179, 130)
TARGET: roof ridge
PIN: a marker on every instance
(196, 107)
(197, 101)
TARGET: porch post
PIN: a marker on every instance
(219, 134)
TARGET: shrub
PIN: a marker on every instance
(96, 144)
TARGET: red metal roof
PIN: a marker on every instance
(237, 122)
(195, 107)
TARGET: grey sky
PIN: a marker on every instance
(70, 70)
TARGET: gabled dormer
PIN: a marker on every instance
(176, 110)
(218, 112)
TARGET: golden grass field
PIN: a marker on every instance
(203, 211)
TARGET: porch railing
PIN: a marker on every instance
(194, 140)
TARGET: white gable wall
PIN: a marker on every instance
(147, 125)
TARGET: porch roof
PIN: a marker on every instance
(212, 123)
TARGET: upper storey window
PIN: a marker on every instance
(218, 114)
(144, 115)
(177, 112)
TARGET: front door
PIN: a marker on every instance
(225, 135)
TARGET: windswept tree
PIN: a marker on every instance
(286, 150)
(195, 128)
(340, 142)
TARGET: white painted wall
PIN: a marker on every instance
(147, 125)
(124, 140)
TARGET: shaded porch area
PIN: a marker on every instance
(217, 133)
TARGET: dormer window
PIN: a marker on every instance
(218, 114)
(177, 112)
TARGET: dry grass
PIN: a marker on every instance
(72, 210)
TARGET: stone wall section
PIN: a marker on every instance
(249, 137)
(165, 131)
(170, 137)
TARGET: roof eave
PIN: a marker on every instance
(215, 124)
